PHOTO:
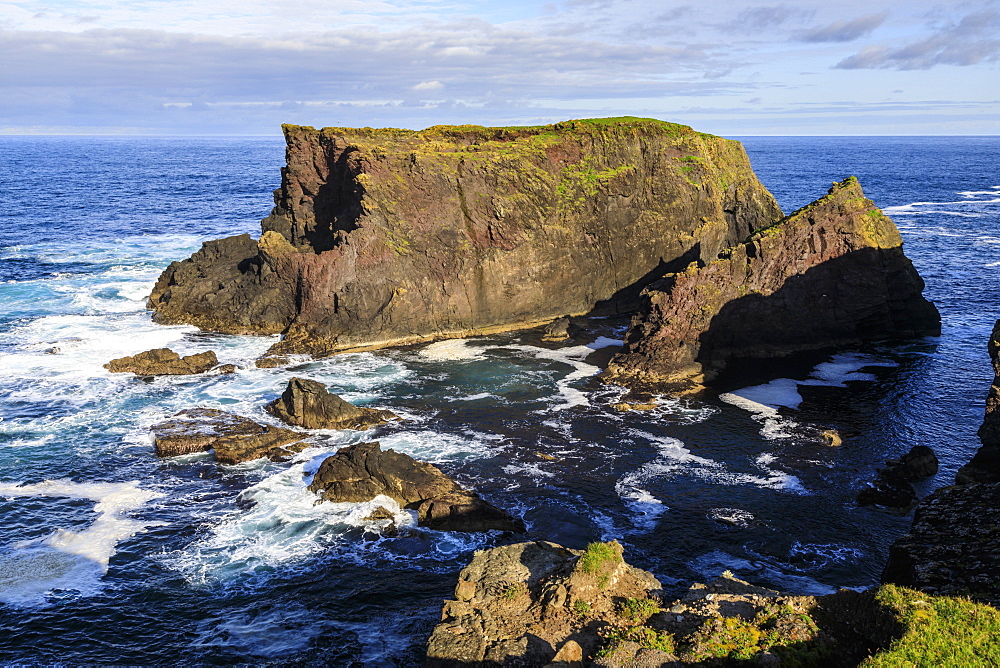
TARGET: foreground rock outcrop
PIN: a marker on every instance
(830, 274)
(383, 237)
(164, 362)
(518, 605)
(307, 403)
(985, 465)
(233, 438)
(540, 604)
(363, 471)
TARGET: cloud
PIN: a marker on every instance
(768, 16)
(968, 42)
(156, 79)
(845, 31)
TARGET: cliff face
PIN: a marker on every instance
(383, 237)
(985, 465)
(830, 274)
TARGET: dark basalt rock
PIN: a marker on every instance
(362, 471)
(233, 438)
(953, 546)
(985, 465)
(307, 403)
(920, 462)
(890, 492)
(388, 237)
(830, 274)
(163, 362)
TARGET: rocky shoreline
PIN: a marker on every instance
(385, 237)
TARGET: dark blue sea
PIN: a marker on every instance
(109, 555)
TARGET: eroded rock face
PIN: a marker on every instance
(830, 274)
(362, 471)
(233, 438)
(518, 605)
(953, 546)
(307, 403)
(384, 237)
(985, 465)
(163, 362)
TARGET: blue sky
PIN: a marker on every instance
(729, 67)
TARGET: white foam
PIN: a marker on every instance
(763, 401)
(451, 350)
(733, 516)
(675, 459)
(432, 446)
(573, 356)
(285, 524)
(70, 560)
(774, 425)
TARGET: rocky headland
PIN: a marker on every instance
(386, 237)
(831, 274)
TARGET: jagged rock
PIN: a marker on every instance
(233, 438)
(515, 604)
(307, 403)
(920, 462)
(225, 368)
(163, 362)
(985, 465)
(386, 237)
(830, 274)
(953, 546)
(362, 471)
(557, 330)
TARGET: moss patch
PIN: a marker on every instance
(939, 631)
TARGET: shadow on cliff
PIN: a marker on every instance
(626, 300)
(866, 295)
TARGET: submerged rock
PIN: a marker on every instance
(830, 274)
(362, 471)
(890, 492)
(233, 438)
(387, 237)
(163, 362)
(985, 465)
(307, 403)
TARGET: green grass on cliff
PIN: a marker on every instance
(938, 631)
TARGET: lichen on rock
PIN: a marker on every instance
(386, 237)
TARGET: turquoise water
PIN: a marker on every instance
(109, 555)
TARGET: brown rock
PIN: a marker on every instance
(557, 330)
(234, 438)
(362, 471)
(271, 362)
(830, 274)
(516, 604)
(163, 362)
(386, 237)
(307, 403)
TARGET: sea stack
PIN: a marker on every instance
(831, 274)
(387, 237)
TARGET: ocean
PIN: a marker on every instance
(109, 555)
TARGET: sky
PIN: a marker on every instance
(729, 67)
